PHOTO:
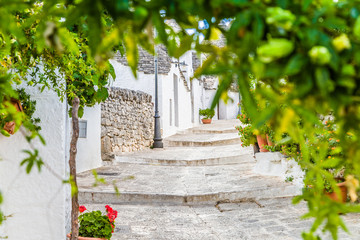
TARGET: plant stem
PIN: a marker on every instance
(72, 164)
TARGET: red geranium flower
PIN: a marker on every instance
(82, 209)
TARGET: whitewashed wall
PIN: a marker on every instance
(229, 110)
(89, 148)
(208, 98)
(126, 79)
(223, 111)
(166, 93)
(198, 96)
(38, 203)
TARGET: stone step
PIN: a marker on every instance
(94, 197)
(190, 156)
(202, 129)
(151, 184)
(185, 162)
(217, 126)
(199, 130)
(201, 139)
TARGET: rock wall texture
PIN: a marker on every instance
(195, 61)
(146, 61)
(127, 122)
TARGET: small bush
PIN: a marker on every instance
(207, 113)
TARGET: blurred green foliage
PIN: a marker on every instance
(304, 55)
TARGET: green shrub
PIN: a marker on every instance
(96, 224)
(207, 113)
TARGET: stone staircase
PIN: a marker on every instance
(203, 165)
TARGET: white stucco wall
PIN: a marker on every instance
(209, 96)
(89, 148)
(36, 202)
(230, 109)
(166, 93)
(126, 79)
(222, 110)
(198, 92)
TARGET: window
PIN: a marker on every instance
(82, 129)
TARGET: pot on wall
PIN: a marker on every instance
(10, 126)
(269, 142)
(87, 238)
(206, 121)
(343, 195)
(262, 142)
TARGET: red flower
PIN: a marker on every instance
(112, 214)
(82, 209)
(108, 208)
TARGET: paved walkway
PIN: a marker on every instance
(266, 219)
(200, 186)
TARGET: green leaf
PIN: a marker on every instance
(323, 81)
(185, 45)
(275, 48)
(112, 71)
(206, 64)
(102, 94)
(246, 97)
(295, 64)
(258, 27)
(131, 52)
(306, 114)
(95, 27)
(264, 116)
(347, 82)
(81, 112)
(224, 85)
(356, 29)
(159, 25)
(306, 4)
(31, 160)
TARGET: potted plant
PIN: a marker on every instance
(208, 115)
(9, 126)
(95, 225)
(24, 104)
(247, 136)
(329, 191)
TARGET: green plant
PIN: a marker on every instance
(247, 136)
(243, 118)
(289, 179)
(290, 150)
(96, 224)
(207, 113)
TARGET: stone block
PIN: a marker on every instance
(269, 163)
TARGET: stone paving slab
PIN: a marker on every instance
(194, 156)
(217, 126)
(268, 219)
(181, 184)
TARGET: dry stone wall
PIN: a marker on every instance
(127, 122)
(146, 61)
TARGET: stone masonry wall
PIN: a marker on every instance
(146, 61)
(127, 122)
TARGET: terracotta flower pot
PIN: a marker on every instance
(343, 191)
(261, 142)
(269, 142)
(87, 238)
(10, 126)
(206, 121)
